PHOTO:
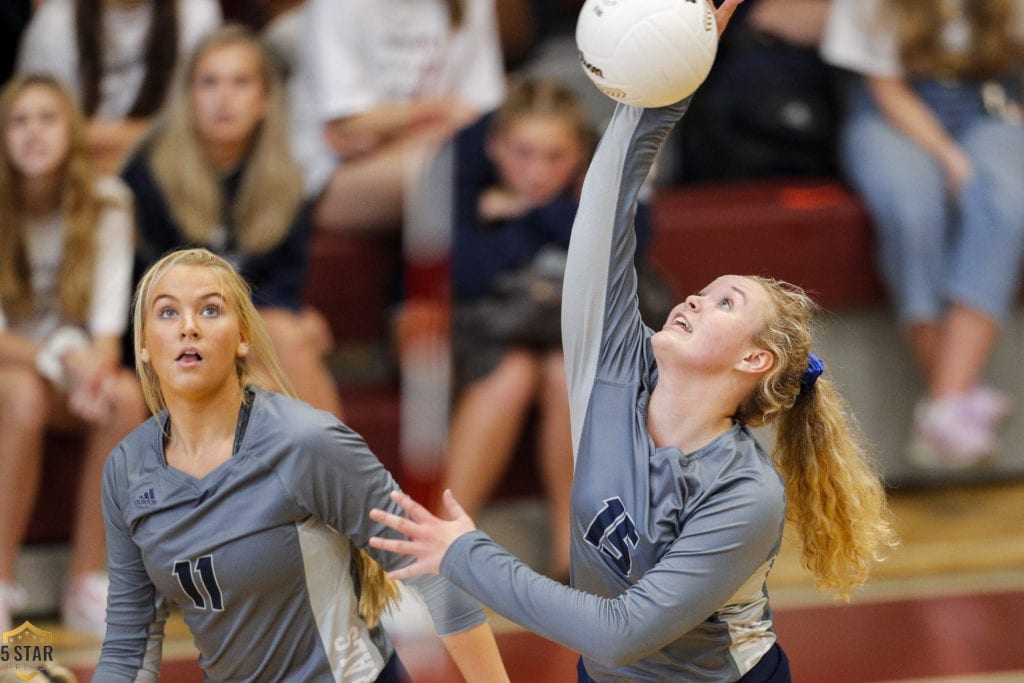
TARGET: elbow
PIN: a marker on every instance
(616, 655)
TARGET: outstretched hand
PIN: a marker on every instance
(427, 537)
(723, 13)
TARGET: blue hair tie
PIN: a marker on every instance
(815, 366)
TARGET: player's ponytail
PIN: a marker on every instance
(376, 591)
(835, 498)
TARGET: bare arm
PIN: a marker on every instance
(908, 113)
(360, 134)
(17, 349)
(476, 654)
(110, 141)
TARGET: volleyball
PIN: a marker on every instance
(647, 53)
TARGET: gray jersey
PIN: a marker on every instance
(670, 550)
(257, 553)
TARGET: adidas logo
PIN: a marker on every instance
(147, 498)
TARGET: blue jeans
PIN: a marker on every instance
(934, 247)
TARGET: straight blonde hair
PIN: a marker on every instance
(271, 190)
(260, 368)
(78, 202)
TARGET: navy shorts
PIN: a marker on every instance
(773, 668)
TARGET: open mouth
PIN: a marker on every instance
(683, 323)
(189, 357)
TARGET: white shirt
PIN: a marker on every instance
(359, 54)
(50, 46)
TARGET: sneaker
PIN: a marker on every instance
(952, 433)
(84, 606)
(12, 598)
(989, 406)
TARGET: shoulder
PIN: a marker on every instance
(736, 468)
(52, 26)
(132, 453)
(137, 172)
(294, 420)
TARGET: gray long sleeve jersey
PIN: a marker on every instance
(670, 550)
(258, 553)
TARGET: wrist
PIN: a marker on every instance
(49, 360)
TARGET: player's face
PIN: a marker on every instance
(228, 96)
(38, 133)
(714, 329)
(191, 334)
(537, 156)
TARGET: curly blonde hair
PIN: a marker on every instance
(835, 497)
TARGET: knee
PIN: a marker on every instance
(129, 403)
(24, 400)
(519, 373)
(291, 339)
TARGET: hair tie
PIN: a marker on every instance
(815, 366)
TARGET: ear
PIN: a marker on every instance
(144, 354)
(756, 361)
(243, 349)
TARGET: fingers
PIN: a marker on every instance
(455, 511)
(401, 524)
(724, 13)
(415, 511)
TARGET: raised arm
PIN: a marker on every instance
(600, 314)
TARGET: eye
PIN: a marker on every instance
(166, 312)
(210, 311)
(726, 303)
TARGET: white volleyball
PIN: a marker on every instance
(648, 53)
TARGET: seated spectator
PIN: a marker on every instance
(65, 285)
(933, 142)
(117, 58)
(769, 106)
(377, 86)
(517, 175)
(218, 173)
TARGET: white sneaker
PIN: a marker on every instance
(12, 598)
(949, 433)
(84, 606)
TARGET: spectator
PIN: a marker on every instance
(933, 142)
(769, 106)
(517, 172)
(376, 86)
(117, 58)
(65, 285)
(218, 173)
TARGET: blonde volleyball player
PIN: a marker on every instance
(677, 511)
(249, 509)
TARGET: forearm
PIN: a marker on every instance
(110, 141)
(17, 349)
(476, 654)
